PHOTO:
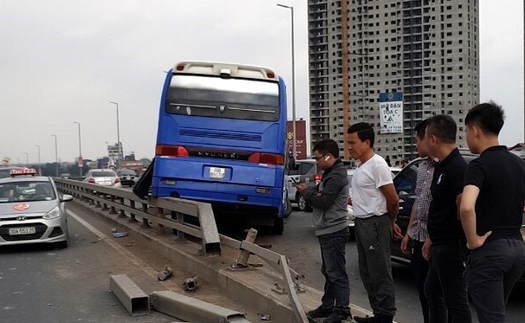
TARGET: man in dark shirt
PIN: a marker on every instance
(491, 211)
(445, 286)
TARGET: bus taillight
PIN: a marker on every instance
(171, 151)
(270, 159)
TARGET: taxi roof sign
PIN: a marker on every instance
(22, 172)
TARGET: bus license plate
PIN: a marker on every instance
(19, 231)
(217, 172)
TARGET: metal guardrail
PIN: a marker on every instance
(162, 213)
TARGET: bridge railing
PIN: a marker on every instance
(168, 213)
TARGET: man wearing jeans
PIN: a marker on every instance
(445, 286)
(491, 214)
(329, 201)
(376, 205)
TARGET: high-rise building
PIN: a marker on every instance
(423, 50)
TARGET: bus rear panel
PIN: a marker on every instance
(221, 139)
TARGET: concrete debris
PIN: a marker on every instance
(165, 274)
(265, 317)
(120, 234)
(190, 284)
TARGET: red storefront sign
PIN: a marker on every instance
(300, 140)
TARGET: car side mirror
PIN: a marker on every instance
(66, 198)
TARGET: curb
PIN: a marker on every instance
(252, 288)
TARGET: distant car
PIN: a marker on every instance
(127, 177)
(65, 176)
(103, 177)
(5, 170)
(32, 210)
(304, 172)
(405, 184)
(395, 170)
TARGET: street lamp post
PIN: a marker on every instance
(118, 133)
(80, 162)
(38, 146)
(27, 158)
(39, 167)
(294, 145)
(56, 154)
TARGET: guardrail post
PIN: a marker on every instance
(145, 223)
(179, 217)
(242, 260)
(113, 210)
(161, 229)
(132, 215)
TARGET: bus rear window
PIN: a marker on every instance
(223, 98)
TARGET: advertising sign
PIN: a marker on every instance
(391, 112)
(300, 140)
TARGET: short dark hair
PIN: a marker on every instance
(488, 116)
(420, 129)
(327, 146)
(443, 127)
(364, 132)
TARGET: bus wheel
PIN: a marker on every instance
(288, 208)
(278, 226)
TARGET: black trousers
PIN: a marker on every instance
(492, 271)
(446, 285)
(419, 270)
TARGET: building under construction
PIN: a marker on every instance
(363, 53)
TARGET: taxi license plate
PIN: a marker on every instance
(217, 172)
(19, 231)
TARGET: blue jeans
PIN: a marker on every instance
(337, 286)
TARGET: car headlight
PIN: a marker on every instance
(54, 213)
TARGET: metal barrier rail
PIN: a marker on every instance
(153, 213)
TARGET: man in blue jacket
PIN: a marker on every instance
(329, 201)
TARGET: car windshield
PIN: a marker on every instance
(103, 174)
(26, 191)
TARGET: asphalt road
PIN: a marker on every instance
(44, 284)
(299, 244)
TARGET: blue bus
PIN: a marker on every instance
(222, 139)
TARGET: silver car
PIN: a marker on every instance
(104, 177)
(32, 211)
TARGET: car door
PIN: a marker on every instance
(293, 176)
(405, 185)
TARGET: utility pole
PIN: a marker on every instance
(344, 58)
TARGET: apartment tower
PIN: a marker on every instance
(423, 50)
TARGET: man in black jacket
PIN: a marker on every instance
(330, 216)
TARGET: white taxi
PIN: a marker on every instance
(32, 210)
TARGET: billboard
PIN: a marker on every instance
(391, 112)
(300, 140)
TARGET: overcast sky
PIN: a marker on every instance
(63, 61)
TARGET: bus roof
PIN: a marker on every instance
(225, 70)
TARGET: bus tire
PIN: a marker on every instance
(278, 226)
(288, 208)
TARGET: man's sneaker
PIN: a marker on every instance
(319, 312)
(375, 319)
(367, 319)
(338, 316)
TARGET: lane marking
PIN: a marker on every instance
(131, 257)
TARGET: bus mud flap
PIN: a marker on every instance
(193, 310)
(129, 294)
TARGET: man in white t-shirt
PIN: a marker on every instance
(376, 205)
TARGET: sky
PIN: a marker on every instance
(64, 61)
